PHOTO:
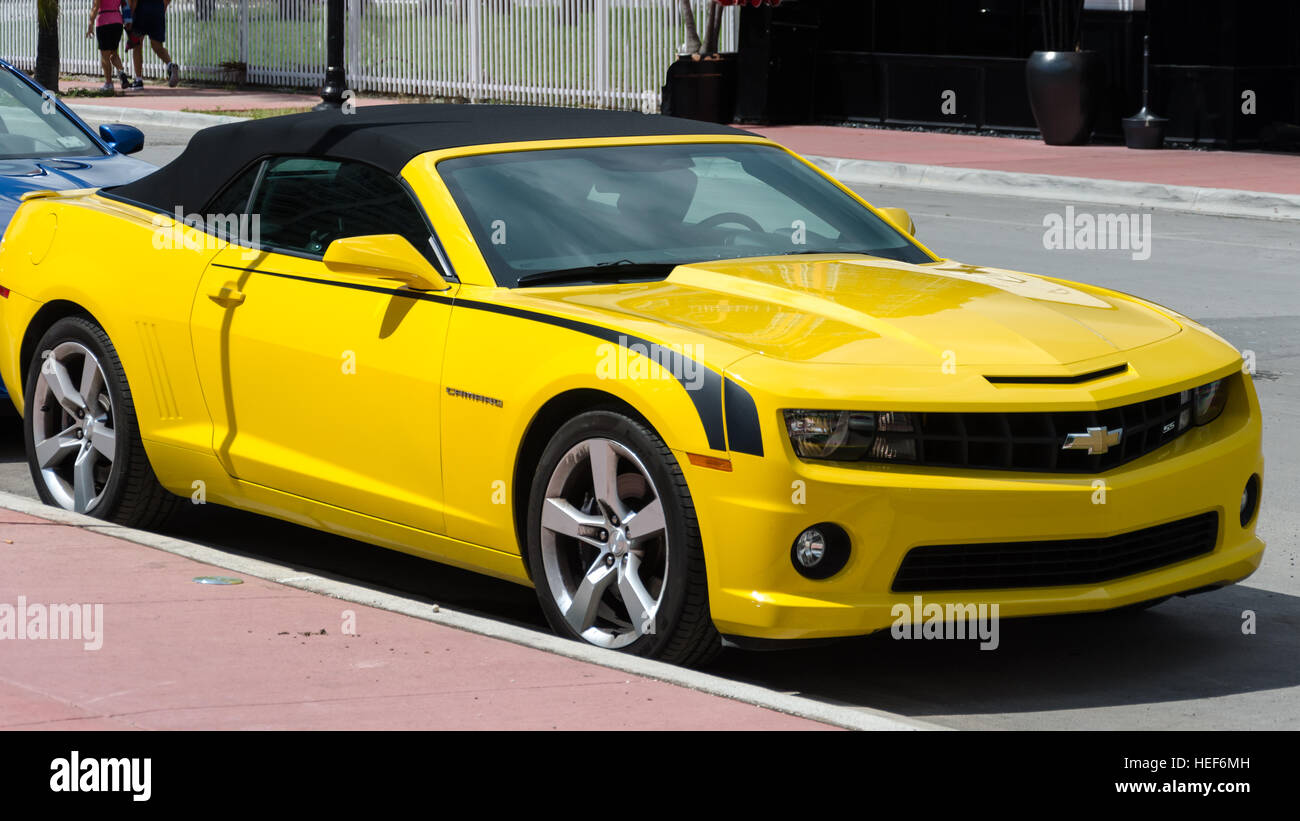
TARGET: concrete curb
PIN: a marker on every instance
(852, 718)
(145, 117)
(1224, 202)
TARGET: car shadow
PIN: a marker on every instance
(348, 560)
(1183, 650)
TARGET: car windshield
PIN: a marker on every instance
(30, 127)
(633, 212)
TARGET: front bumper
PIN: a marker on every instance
(750, 517)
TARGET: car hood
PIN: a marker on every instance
(18, 177)
(866, 310)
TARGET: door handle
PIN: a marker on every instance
(229, 295)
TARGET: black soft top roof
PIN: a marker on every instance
(387, 136)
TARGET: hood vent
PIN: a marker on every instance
(1058, 380)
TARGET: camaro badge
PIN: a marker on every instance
(475, 397)
(1096, 440)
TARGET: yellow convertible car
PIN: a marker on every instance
(687, 386)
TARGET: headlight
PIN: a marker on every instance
(1208, 401)
(847, 436)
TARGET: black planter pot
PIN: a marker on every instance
(1064, 88)
(1144, 130)
(701, 89)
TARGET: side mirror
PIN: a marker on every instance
(898, 217)
(387, 256)
(124, 139)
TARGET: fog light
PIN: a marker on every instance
(820, 551)
(810, 547)
(1249, 500)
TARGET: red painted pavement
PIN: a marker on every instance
(157, 95)
(1250, 171)
(180, 655)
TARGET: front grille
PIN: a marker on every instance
(1032, 441)
(1001, 565)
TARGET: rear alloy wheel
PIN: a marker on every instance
(83, 444)
(74, 441)
(613, 544)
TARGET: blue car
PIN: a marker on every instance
(44, 146)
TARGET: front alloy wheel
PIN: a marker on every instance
(604, 546)
(613, 545)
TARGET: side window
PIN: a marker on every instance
(224, 211)
(303, 204)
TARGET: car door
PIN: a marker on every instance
(320, 384)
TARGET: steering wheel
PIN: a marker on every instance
(733, 217)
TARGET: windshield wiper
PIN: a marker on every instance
(601, 271)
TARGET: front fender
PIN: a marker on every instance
(503, 366)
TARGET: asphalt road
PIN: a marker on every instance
(1183, 665)
(161, 145)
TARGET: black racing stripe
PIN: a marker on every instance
(356, 286)
(744, 434)
(706, 395)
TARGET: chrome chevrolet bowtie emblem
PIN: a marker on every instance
(1096, 440)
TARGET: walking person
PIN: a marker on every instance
(149, 19)
(132, 40)
(106, 24)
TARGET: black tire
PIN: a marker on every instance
(682, 630)
(130, 492)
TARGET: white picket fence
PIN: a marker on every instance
(602, 53)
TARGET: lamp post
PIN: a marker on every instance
(335, 74)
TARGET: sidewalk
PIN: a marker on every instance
(260, 655)
(1218, 183)
(1250, 171)
(157, 96)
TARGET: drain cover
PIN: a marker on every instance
(217, 580)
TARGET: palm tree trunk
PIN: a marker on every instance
(47, 44)
(692, 34)
(712, 28)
